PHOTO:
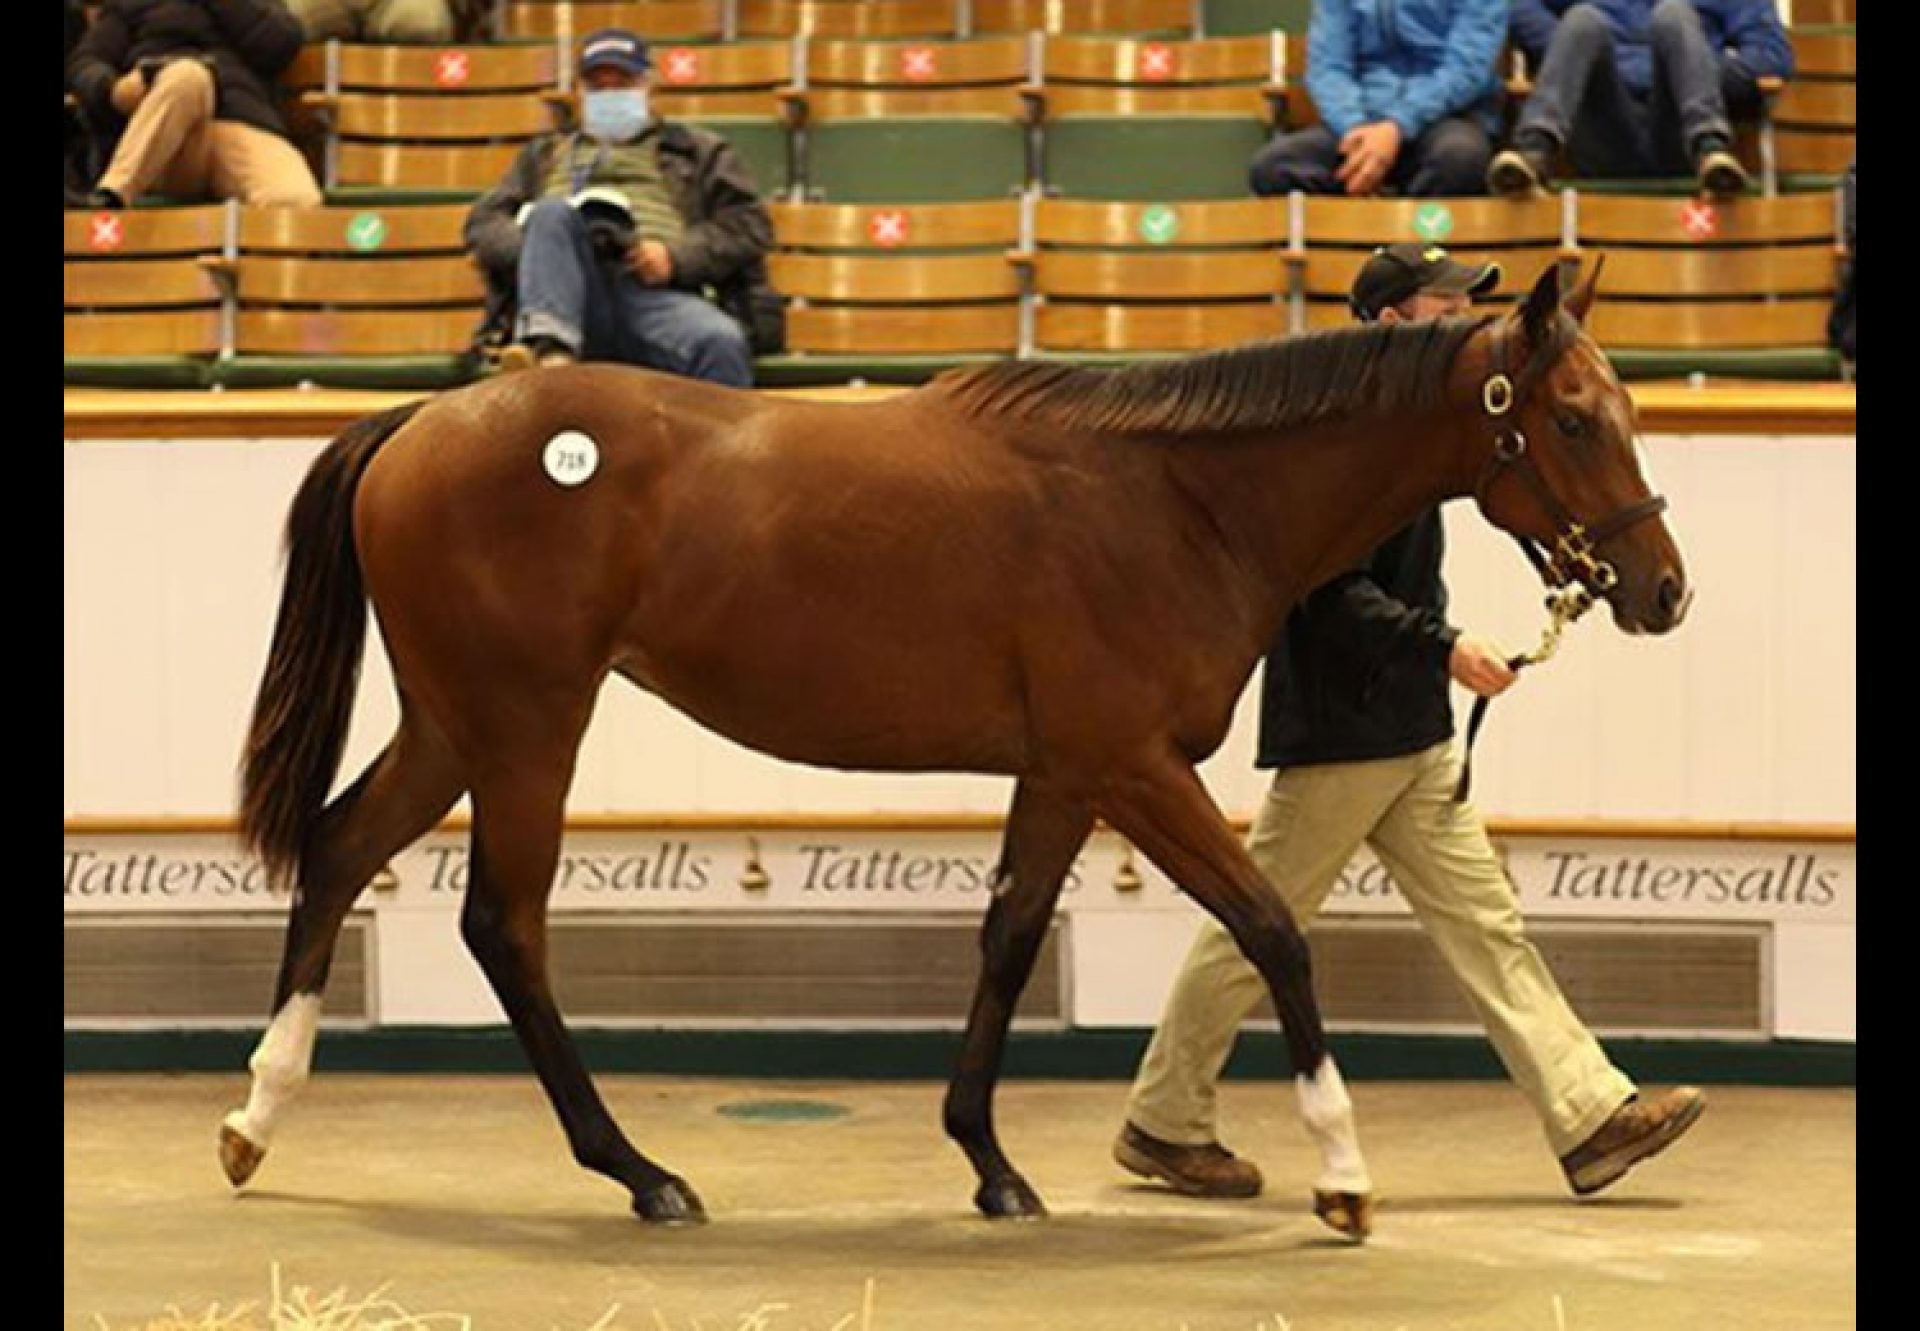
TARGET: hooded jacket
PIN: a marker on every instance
(1413, 62)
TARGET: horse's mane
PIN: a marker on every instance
(1274, 384)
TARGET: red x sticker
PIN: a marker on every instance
(1699, 220)
(887, 229)
(919, 63)
(105, 232)
(452, 69)
(1155, 61)
(681, 65)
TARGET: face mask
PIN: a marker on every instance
(614, 115)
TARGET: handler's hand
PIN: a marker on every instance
(1368, 153)
(652, 263)
(129, 90)
(1479, 665)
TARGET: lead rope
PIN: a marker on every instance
(1564, 605)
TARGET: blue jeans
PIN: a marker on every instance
(1449, 159)
(1580, 101)
(601, 313)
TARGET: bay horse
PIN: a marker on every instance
(1061, 575)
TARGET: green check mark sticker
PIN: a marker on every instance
(367, 231)
(1159, 225)
(1433, 221)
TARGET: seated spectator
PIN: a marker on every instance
(1639, 88)
(666, 269)
(80, 166)
(184, 91)
(1407, 94)
(377, 20)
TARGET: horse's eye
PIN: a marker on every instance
(1570, 425)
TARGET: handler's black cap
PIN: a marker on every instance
(615, 47)
(1396, 272)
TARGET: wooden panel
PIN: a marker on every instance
(1813, 151)
(846, 226)
(917, 64)
(1073, 326)
(139, 282)
(1150, 276)
(728, 65)
(444, 69)
(1079, 99)
(1805, 102)
(1679, 221)
(1640, 979)
(1802, 269)
(848, 18)
(1823, 55)
(336, 229)
(1226, 222)
(1133, 60)
(425, 332)
(785, 971)
(699, 107)
(486, 116)
(829, 104)
(198, 970)
(656, 18)
(1057, 16)
(902, 278)
(1711, 325)
(408, 166)
(1331, 272)
(197, 230)
(1370, 222)
(881, 330)
(411, 280)
(159, 333)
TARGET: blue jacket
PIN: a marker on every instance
(1746, 33)
(1409, 61)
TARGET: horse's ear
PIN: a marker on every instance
(1582, 300)
(1541, 304)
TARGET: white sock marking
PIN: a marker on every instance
(1328, 1114)
(279, 1067)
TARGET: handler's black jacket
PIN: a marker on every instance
(1360, 668)
(725, 245)
(249, 42)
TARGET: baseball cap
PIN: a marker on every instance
(1396, 272)
(617, 48)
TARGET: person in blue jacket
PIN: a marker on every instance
(1408, 97)
(1639, 88)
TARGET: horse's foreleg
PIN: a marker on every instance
(516, 846)
(1169, 815)
(396, 800)
(1044, 833)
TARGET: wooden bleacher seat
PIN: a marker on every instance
(1814, 118)
(1120, 279)
(1337, 235)
(1736, 289)
(915, 121)
(354, 297)
(1162, 18)
(849, 18)
(141, 308)
(657, 20)
(893, 292)
(732, 88)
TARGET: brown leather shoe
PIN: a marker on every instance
(1198, 1171)
(1638, 1129)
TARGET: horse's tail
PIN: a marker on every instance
(300, 717)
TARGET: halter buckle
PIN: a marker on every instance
(1496, 395)
(1508, 445)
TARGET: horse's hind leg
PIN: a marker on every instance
(1045, 831)
(517, 817)
(400, 796)
(1169, 815)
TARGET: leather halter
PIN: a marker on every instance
(1572, 556)
(1570, 570)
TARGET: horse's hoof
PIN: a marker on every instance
(239, 1157)
(1009, 1198)
(672, 1203)
(1351, 1213)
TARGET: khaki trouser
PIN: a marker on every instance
(1312, 822)
(375, 20)
(173, 142)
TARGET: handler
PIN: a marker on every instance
(1356, 722)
